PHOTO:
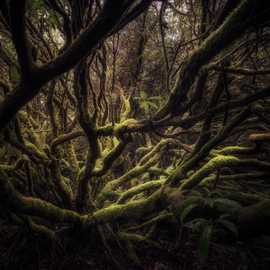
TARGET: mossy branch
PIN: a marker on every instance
(111, 157)
(131, 174)
(35, 207)
(219, 162)
(62, 187)
(232, 28)
(10, 168)
(235, 177)
(162, 216)
(151, 185)
(156, 149)
(133, 210)
(29, 152)
(65, 138)
(235, 150)
(181, 171)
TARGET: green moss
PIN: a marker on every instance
(40, 153)
(4, 167)
(156, 150)
(127, 108)
(80, 174)
(42, 230)
(126, 124)
(66, 185)
(233, 150)
(138, 189)
(162, 216)
(211, 166)
(235, 177)
(191, 162)
(131, 210)
(17, 203)
(72, 158)
(233, 27)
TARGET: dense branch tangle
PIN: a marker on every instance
(81, 141)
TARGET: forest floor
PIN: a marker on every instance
(20, 251)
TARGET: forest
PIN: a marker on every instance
(134, 134)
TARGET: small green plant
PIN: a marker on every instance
(207, 227)
(146, 103)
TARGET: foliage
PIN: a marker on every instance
(121, 125)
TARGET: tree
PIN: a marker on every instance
(90, 145)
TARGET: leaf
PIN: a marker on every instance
(144, 105)
(131, 253)
(224, 216)
(52, 19)
(143, 94)
(37, 4)
(186, 211)
(14, 74)
(228, 203)
(204, 242)
(229, 226)
(209, 201)
(196, 224)
(196, 193)
(216, 193)
(207, 191)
